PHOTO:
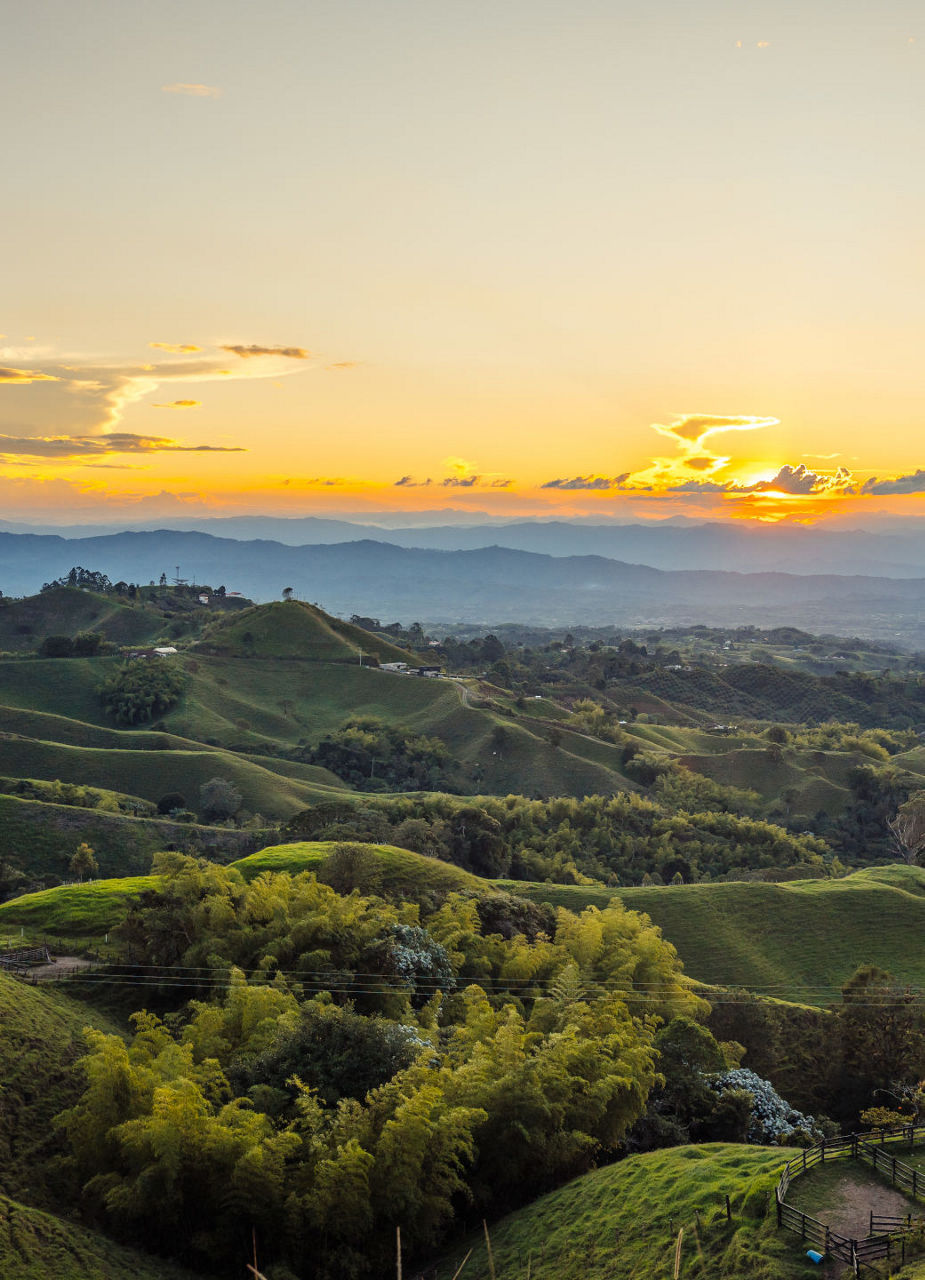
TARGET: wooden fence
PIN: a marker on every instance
(21, 958)
(887, 1237)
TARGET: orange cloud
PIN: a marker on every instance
(112, 442)
(22, 377)
(178, 348)
(178, 404)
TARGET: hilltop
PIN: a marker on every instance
(295, 629)
(151, 615)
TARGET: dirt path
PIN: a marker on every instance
(851, 1201)
(59, 968)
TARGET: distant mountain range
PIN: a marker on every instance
(662, 545)
(488, 585)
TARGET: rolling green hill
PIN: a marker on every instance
(402, 870)
(40, 838)
(152, 774)
(295, 629)
(799, 941)
(65, 611)
(622, 1223)
(74, 910)
(40, 1040)
(38, 1246)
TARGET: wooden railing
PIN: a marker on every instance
(23, 957)
(887, 1238)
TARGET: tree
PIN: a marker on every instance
(170, 801)
(141, 689)
(908, 827)
(83, 863)
(219, 799)
(57, 647)
(287, 593)
(351, 866)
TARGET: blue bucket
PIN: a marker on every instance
(814, 1255)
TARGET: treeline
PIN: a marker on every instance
(95, 580)
(623, 839)
(382, 1065)
(373, 756)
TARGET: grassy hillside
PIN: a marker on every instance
(295, 629)
(38, 1246)
(41, 838)
(24, 624)
(402, 870)
(73, 910)
(622, 1222)
(151, 774)
(800, 941)
(40, 1040)
(252, 706)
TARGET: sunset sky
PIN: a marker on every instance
(614, 258)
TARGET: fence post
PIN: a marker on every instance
(804, 1159)
(780, 1212)
(870, 1230)
(728, 1208)
(893, 1171)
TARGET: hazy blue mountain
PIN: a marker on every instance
(486, 585)
(661, 545)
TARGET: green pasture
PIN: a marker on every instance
(402, 870)
(73, 910)
(151, 774)
(622, 1223)
(40, 838)
(35, 1245)
(799, 941)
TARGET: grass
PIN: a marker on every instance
(799, 941)
(40, 838)
(74, 910)
(622, 1222)
(42, 1037)
(252, 706)
(25, 623)
(402, 870)
(151, 774)
(294, 629)
(39, 1246)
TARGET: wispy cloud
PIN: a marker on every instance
(409, 482)
(178, 404)
(692, 428)
(22, 377)
(192, 90)
(96, 446)
(178, 348)
(345, 364)
(254, 349)
(91, 396)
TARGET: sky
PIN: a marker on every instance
(623, 259)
